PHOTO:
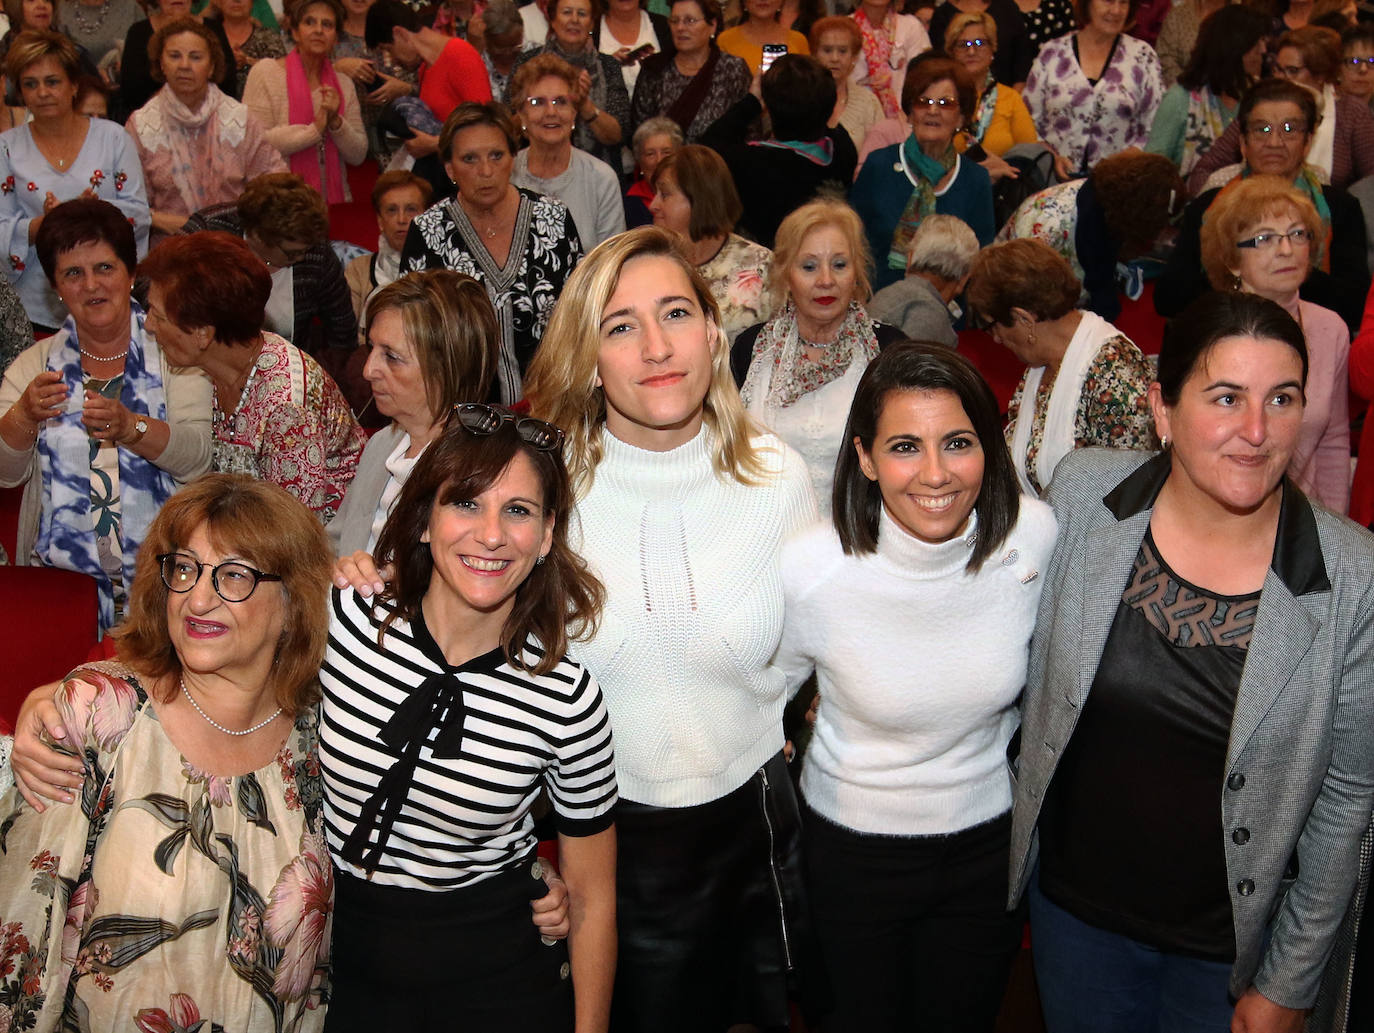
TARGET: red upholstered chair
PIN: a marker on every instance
(47, 627)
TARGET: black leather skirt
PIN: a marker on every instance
(713, 918)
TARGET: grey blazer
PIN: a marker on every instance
(352, 524)
(1300, 765)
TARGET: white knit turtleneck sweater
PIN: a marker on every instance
(919, 666)
(691, 565)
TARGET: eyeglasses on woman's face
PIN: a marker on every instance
(1297, 236)
(233, 581)
(1286, 129)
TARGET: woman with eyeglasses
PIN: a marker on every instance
(697, 83)
(1000, 120)
(1341, 146)
(277, 415)
(901, 184)
(519, 245)
(188, 886)
(1093, 92)
(1278, 117)
(1357, 64)
(1263, 236)
(544, 97)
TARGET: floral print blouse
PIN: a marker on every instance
(1113, 410)
(1086, 122)
(165, 898)
(737, 276)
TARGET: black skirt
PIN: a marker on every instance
(465, 959)
(713, 920)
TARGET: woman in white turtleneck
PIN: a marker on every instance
(915, 610)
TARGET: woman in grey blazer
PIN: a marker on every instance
(1196, 761)
(432, 345)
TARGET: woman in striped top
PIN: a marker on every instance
(448, 704)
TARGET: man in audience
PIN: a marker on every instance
(937, 268)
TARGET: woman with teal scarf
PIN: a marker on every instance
(900, 185)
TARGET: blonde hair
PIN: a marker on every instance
(800, 224)
(1240, 208)
(561, 381)
(962, 21)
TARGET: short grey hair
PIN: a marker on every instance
(501, 17)
(659, 125)
(944, 246)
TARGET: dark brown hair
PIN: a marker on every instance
(1138, 193)
(702, 175)
(559, 600)
(926, 73)
(196, 28)
(395, 180)
(84, 220)
(277, 207)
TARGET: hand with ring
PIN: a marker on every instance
(106, 418)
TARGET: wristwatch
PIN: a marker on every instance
(140, 428)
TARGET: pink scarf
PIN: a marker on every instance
(300, 110)
(877, 47)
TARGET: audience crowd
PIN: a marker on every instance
(708, 646)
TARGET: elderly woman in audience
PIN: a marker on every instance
(1341, 139)
(1014, 52)
(889, 42)
(432, 344)
(286, 224)
(1357, 63)
(760, 27)
(836, 43)
(312, 115)
(1196, 110)
(521, 247)
(277, 415)
(801, 158)
(629, 33)
(1000, 120)
(97, 425)
(57, 156)
(798, 372)
(1087, 383)
(697, 83)
(1206, 632)
(206, 721)
(903, 183)
(602, 102)
(1263, 236)
(921, 304)
(654, 140)
(397, 197)
(1276, 118)
(1113, 215)
(1094, 92)
(543, 95)
(908, 817)
(503, 42)
(138, 67)
(696, 199)
(198, 146)
(249, 40)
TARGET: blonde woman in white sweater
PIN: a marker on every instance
(915, 610)
(683, 505)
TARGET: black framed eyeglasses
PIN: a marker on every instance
(233, 581)
(1264, 130)
(482, 419)
(1269, 241)
(1360, 62)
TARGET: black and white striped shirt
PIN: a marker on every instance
(466, 818)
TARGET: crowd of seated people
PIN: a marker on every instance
(608, 507)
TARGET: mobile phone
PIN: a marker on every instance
(637, 54)
(771, 52)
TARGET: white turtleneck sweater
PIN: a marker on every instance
(691, 565)
(919, 665)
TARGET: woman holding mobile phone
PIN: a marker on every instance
(760, 39)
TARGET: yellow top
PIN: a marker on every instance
(734, 41)
(1011, 124)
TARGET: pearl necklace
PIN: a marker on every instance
(216, 725)
(102, 358)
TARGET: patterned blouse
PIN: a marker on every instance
(1086, 122)
(1113, 410)
(1050, 20)
(165, 898)
(661, 84)
(292, 427)
(737, 276)
(261, 42)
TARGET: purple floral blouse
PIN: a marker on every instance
(1084, 122)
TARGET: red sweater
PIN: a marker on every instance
(1362, 384)
(459, 75)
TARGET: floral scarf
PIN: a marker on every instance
(200, 158)
(781, 361)
(66, 528)
(877, 46)
(300, 109)
(924, 172)
(1207, 119)
(987, 105)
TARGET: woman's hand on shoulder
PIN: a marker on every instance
(359, 572)
(1255, 1013)
(40, 770)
